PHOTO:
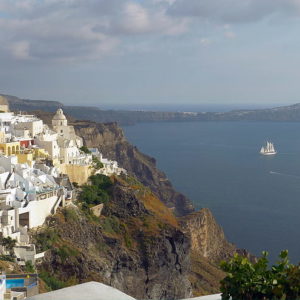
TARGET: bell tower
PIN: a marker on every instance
(59, 119)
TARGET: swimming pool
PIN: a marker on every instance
(11, 283)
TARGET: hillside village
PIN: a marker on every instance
(39, 167)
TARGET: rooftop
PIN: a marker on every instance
(96, 291)
(90, 290)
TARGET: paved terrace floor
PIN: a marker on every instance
(96, 291)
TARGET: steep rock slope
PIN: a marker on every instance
(207, 237)
(208, 247)
(135, 246)
(110, 139)
(208, 243)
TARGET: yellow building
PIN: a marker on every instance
(2, 137)
(11, 148)
(40, 153)
(30, 155)
(25, 158)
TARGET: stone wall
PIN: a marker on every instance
(77, 173)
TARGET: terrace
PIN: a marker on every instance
(18, 285)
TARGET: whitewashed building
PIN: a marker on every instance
(47, 140)
(110, 167)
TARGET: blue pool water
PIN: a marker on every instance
(11, 283)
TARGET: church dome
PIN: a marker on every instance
(59, 115)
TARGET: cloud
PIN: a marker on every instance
(76, 30)
(20, 50)
(233, 11)
(230, 34)
(205, 42)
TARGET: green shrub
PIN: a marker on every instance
(97, 192)
(247, 280)
(70, 214)
(85, 150)
(52, 282)
(29, 267)
(102, 181)
(65, 252)
(45, 239)
(7, 258)
(127, 240)
(8, 243)
(97, 163)
(111, 225)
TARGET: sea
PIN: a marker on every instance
(255, 198)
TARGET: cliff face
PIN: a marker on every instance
(164, 263)
(135, 246)
(208, 247)
(207, 237)
(109, 138)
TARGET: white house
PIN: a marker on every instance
(110, 167)
(48, 140)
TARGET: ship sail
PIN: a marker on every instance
(268, 149)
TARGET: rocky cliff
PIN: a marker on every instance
(135, 246)
(110, 140)
(207, 237)
(185, 250)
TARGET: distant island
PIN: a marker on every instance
(289, 113)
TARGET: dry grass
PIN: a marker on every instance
(205, 276)
(153, 204)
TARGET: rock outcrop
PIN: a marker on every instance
(164, 263)
(110, 139)
(131, 247)
(207, 237)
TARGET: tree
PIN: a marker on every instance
(248, 280)
(8, 243)
(97, 192)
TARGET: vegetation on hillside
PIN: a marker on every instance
(96, 192)
(8, 243)
(97, 164)
(251, 281)
(125, 226)
(85, 149)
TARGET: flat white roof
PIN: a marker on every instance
(209, 297)
(89, 291)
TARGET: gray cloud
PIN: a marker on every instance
(70, 30)
(233, 11)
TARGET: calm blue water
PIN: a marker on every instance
(10, 283)
(255, 198)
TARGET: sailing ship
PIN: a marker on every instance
(268, 149)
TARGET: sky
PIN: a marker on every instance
(151, 52)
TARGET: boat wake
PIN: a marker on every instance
(284, 174)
